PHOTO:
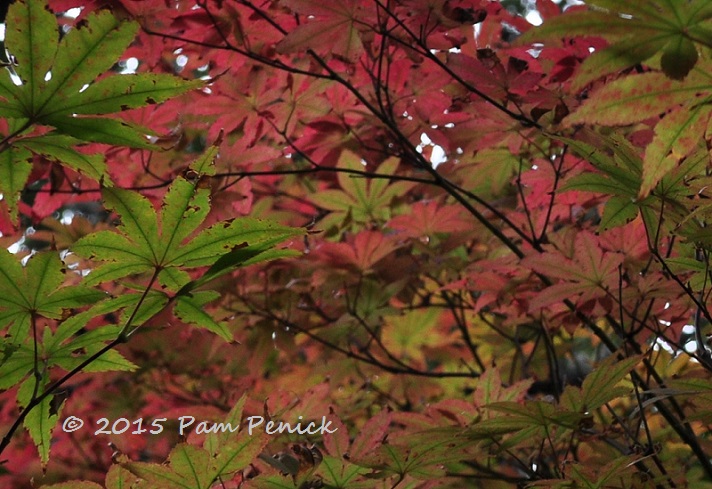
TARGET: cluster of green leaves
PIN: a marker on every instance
(43, 310)
(31, 350)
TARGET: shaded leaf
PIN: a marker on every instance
(335, 26)
(598, 386)
(679, 57)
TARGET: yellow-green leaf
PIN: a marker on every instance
(40, 421)
(676, 135)
(32, 37)
(15, 168)
(635, 98)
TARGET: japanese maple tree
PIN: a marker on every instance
(454, 249)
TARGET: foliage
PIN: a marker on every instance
(462, 250)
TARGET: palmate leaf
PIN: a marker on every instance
(82, 55)
(591, 272)
(532, 420)
(187, 469)
(336, 472)
(620, 177)
(636, 31)
(334, 29)
(146, 242)
(57, 87)
(192, 467)
(35, 290)
(424, 455)
(636, 98)
(362, 199)
(407, 335)
(166, 243)
(27, 293)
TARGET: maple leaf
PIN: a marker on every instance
(222, 454)
(59, 78)
(429, 219)
(361, 199)
(55, 84)
(253, 99)
(146, 243)
(361, 252)
(27, 294)
(408, 335)
(35, 290)
(531, 420)
(335, 28)
(620, 176)
(590, 274)
(600, 386)
(638, 30)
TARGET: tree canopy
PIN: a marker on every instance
(355, 244)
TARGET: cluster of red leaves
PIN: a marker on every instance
(423, 279)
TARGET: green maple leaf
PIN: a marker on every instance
(36, 291)
(70, 344)
(27, 294)
(58, 79)
(54, 83)
(41, 421)
(191, 467)
(166, 244)
(363, 200)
